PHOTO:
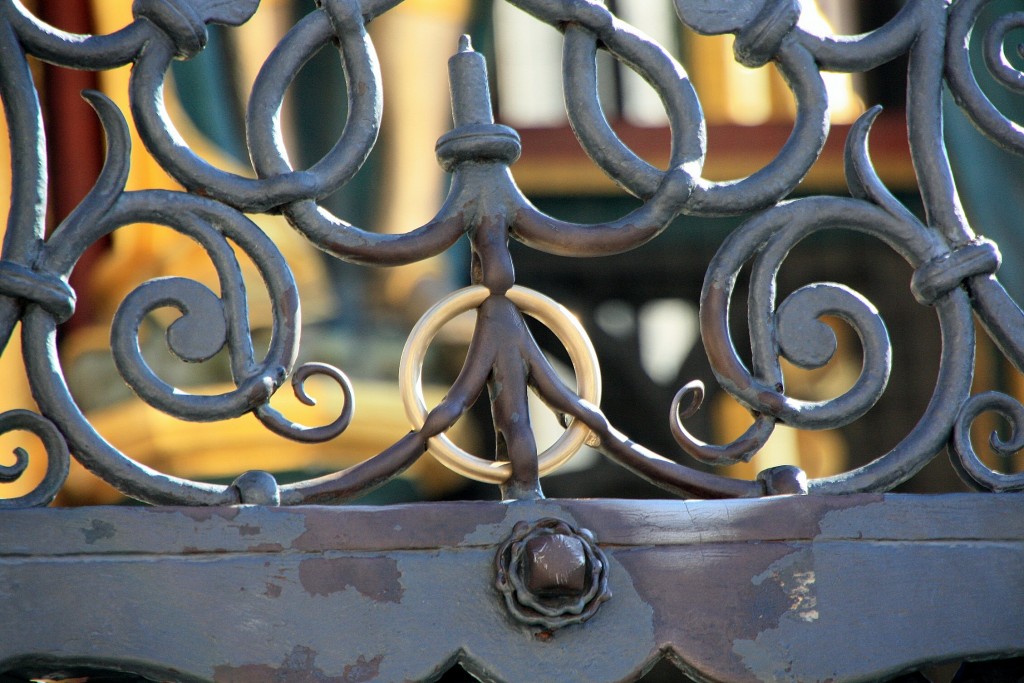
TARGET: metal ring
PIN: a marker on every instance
(549, 312)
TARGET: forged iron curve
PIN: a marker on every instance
(954, 269)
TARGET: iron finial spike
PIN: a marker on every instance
(471, 96)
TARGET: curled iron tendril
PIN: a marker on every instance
(792, 330)
(960, 75)
(687, 402)
(208, 324)
(965, 460)
(57, 458)
(276, 423)
(995, 54)
(10, 473)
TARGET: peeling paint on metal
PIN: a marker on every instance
(203, 514)
(266, 548)
(377, 578)
(804, 599)
(362, 670)
(796, 582)
(98, 530)
(399, 527)
(703, 600)
(297, 667)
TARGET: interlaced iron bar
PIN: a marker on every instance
(954, 269)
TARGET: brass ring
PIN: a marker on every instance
(549, 312)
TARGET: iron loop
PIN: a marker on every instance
(942, 275)
(51, 293)
(478, 142)
(591, 127)
(179, 20)
(759, 41)
(557, 318)
(345, 15)
(362, 80)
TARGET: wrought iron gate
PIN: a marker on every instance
(778, 578)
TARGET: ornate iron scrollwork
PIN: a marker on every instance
(954, 268)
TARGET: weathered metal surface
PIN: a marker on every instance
(802, 588)
(796, 588)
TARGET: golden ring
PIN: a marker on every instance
(549, 312)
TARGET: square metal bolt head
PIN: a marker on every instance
(556, 565)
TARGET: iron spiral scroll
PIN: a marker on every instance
(954, 268)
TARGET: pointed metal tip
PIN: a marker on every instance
(465, 44)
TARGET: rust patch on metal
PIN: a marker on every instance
(266, 548)
(273, 590)
(674, 523)
(704, 599)
(405, 527)
(202, 514)
(298, 667)
(249, 530)
(362, 670)
(377, 578)
(98, 530)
